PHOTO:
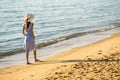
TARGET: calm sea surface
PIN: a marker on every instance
(54, 18)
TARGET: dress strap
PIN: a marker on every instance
(30, 25)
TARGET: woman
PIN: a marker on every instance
(29, 41)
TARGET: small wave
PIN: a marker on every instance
(12, 52)
(56, 40)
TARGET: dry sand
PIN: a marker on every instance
(97, 61)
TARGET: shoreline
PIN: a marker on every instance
(59, 39)
(54, 49)
(42, 70)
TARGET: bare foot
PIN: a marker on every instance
(28, 63)
(37, 60)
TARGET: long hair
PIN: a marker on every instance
(27, 24)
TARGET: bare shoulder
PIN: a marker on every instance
(23, 25)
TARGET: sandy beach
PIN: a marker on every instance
(97, 61)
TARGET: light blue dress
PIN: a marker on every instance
(29, 41)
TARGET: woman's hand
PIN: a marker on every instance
(33, 36)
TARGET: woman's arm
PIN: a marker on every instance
(31, 31)
(23, 30)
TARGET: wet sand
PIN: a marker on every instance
(97, 61)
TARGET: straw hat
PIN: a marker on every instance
(28, 17)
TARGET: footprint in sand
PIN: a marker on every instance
(100, 52)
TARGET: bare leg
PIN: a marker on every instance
(27, 56)
(35, 56)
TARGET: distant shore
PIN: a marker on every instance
(94, 60)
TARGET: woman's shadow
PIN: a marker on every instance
(73, 61)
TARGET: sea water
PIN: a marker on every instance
(54, 19)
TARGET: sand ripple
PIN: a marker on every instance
(104, 68)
